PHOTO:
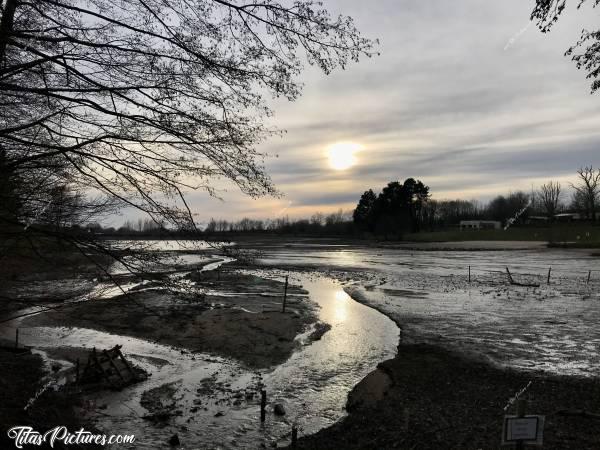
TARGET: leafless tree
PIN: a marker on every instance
(589, 189)
(144, 99)
(549, 195)
(140, 101)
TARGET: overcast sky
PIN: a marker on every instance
(467, 96)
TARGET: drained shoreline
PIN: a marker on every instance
(434, 397)
(428, 394)
(239, 316)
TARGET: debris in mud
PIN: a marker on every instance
(110, 367)
(516, 283)
(160, 402)
(174, 441)
(279, 409)
(320, 329)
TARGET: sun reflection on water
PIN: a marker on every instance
(341, 305)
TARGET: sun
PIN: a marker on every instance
(342, 155)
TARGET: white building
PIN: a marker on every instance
(480, 225)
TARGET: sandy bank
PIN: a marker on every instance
(239, 316)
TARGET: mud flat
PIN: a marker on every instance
(468, 345)
(431, 398)
(235, 316)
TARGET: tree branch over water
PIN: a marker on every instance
(141, 101)
(144, 99)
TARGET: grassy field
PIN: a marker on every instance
(574, 235)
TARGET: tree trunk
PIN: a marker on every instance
(6, 26)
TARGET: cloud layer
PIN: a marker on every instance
(467, 96)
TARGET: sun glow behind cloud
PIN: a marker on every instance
(342, 155)
(476, 132)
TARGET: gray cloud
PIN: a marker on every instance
(447, 102)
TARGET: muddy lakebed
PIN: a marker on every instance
(209, 359)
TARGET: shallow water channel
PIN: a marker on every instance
(215, 402)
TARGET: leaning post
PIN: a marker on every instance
(549, 272)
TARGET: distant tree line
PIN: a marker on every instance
(336, 223)
(407, 207)
(399, 208)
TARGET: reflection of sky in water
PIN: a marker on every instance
(313, 383)
(551, 327)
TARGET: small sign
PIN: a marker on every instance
(527, 429)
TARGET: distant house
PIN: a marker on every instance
(567, 217)
(537, 219)
(480, 225)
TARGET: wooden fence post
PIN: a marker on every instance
(521, 409)
(263, 404)
(285, 292)
(549, 272)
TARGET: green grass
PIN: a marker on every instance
(579, 235)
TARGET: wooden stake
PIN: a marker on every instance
(113, 365)
(521, 409)
(117, 349)
(589, 276)
(549, 272)
(285, 292)
(17, 339)
(469, 274)
(263, 404)
(510, 278)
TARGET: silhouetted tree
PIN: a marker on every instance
(578, 203)
(141, 100)
(503, 208)
(589, 189)
(451, 212)
(144, 99)
(363, 215)
(317, 219)
(398, 207)
(549, 196)
(417, 195)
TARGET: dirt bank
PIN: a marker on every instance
(21, 377)
(238, 316)
(430, 398)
